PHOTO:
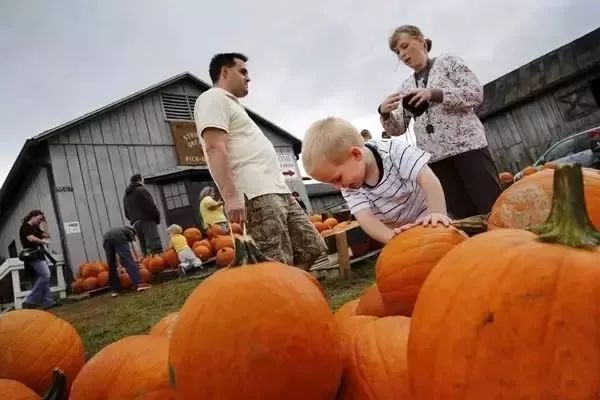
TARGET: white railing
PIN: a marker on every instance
(13, 266)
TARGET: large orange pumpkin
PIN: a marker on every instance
(346, 328)
(376, 367)
(90, 284)
(347, 310)
(157, 264)
(527, 203)
(14, 390)
(171, 258)
(77, 286)
(406, 261)
(275, 336)
(102, 279)
(510, 314)
(192, 235)
(165, 326)
(35, 342)
(133, 368)
(370, 303)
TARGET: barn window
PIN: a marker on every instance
(178, 107)
(176, 195)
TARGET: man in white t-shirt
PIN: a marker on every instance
(244, 165)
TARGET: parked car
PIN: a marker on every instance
(582, 148)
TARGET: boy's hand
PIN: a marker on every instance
(431, 219)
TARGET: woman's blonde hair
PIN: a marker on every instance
(174, 230)
(328, 139)
(410, 30)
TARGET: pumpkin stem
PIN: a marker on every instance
(568, 222)
(472, 225)
(246, 252)
(58, 387)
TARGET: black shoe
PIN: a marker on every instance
(30, 306)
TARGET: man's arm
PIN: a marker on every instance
(220, 168)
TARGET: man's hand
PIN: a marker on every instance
(235, 210)
(428, 220)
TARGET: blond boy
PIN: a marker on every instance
(387, 184)
(186, 255)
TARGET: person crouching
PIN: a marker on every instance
(178, 242)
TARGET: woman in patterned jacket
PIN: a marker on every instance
(448, 128)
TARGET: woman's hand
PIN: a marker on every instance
(420, 96)
(390, 103)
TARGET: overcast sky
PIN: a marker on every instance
(308, 59)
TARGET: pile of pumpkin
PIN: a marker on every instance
(506, 314)
(94, 275)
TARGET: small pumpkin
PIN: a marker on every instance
(134, 368)
(204, 242)
(509, 301)
(320, 226)
(529, 170)
(223, 241)
(370, 303)
(316, 218)
(224, 257)
(171, 258)
(90, 284)
(125, 281)
(165, 326)
(236, 228)
(102, 279)
(157, 264)
(505, 177)
(192, 235)
(330, 222)
(527, 203)
(202, 252)
(276, 346)
(406, 261)
(145, 275)
(77, 286)
(90, 270)
(14, 390)
(214, 231)
(25, 335)
(376, 367)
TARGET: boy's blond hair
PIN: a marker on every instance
(174, 230)
(330, 139)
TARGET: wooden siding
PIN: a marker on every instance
(36, 195)
(520, 135)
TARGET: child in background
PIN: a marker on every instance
(387, 184)
(186, 255)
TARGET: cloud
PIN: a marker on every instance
(308, 59)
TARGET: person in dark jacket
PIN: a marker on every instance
(117, 242)
(143, 215)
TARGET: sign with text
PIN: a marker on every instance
(187, 143)
(289, 168)
(72, 228)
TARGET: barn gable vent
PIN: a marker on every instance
(178, 107)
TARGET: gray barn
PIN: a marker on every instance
(554, 96)
(77, 173)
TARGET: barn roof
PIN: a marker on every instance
(555, 68)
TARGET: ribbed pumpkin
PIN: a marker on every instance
(224, 257)
(133, 368)
(376, 367)
(223, 241)
(214, 231)
(527, 203)
(77, 286)
(145, 275)
(171, 258)
(192, 235)
(165, 326)
(157, 264)
(202, 252)
(14, 390)
(275, 335)
(370, 303)
(102, 279)
(33, 343)
(90, 284)
(406, 261)
(346, 328)
(511, 314)
(347, 310)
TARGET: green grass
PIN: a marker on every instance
(102, 320)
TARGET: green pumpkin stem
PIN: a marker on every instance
(246, 252)
(568, 223)
(58, 388)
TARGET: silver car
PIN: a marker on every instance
(582, 148)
